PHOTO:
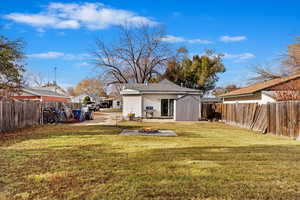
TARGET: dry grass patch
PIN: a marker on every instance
(206, 161)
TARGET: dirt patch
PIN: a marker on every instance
(102, 118)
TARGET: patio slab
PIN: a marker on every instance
(167, 133)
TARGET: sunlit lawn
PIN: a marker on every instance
(206, 161)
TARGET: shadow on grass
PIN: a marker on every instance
(52, 131)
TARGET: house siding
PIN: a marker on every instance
(255, 98)
(259, 98)
(132, 104)
(155, 101)
(266, 99)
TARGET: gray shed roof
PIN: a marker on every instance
(164, 86)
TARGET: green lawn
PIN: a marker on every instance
(206, 161)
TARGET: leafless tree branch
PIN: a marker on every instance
(135, 57)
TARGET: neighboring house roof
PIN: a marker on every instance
(56, 89)
(164, 86)
(43, 92)
(260, 86)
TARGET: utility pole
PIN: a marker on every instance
(55, 69)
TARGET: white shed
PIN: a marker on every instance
(157, 100)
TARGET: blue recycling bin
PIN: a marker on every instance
(78, 115)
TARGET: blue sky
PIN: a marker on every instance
(61, 33)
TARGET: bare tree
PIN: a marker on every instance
(267, 71)
(286, 64)
(222, 90)
(292, 58)
(93, 87)
(137, 56)
(34, 79)
(71, 91)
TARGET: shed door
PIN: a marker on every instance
(187, 109)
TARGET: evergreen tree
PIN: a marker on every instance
(11, 68)
(200, 72)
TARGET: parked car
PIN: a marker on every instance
(97, 107)
(103, 105)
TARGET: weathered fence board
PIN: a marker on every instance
(206, 110)
(16, 114)
(280, 118)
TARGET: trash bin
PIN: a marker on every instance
(78, 115)
(89, 115)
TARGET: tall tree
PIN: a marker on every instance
(92, 87)
(71, 91)
(11, 68)
(137, 56)
(200, 72)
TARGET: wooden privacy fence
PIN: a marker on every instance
(284, 119)
(280, 118)
(16, 114)
(19, 114)
(206, 110)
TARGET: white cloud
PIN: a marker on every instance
(172, 39)
(176, 39)
(42, 21)
(48, 55)
(61, 55)
(75, 15)
(239, 57)
(227, 38)
(83, 64)
(199, 41)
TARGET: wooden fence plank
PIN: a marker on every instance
(279, 118)
(16, 114)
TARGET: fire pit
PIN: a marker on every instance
(148, 130)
